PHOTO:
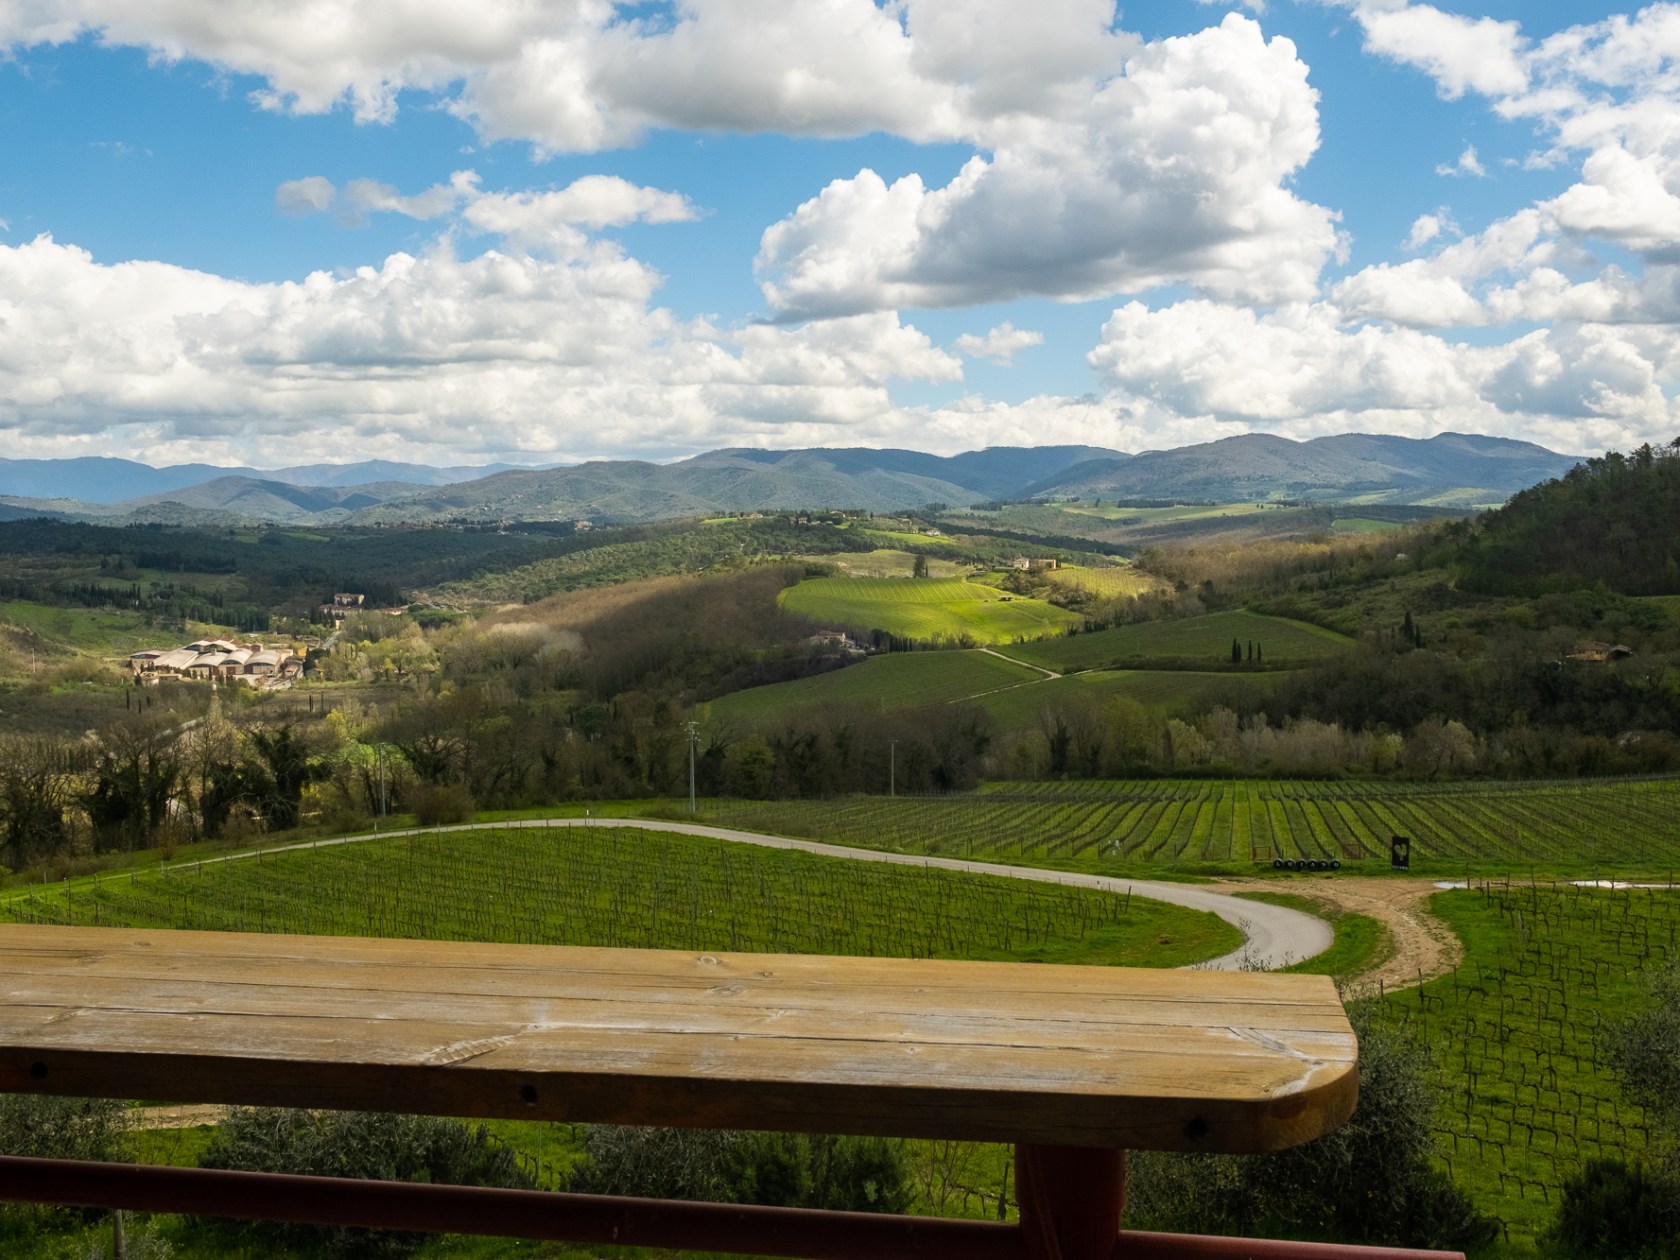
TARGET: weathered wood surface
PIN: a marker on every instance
(1050, 1055)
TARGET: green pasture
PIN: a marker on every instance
(1106, 583)
(926, 608)
(904, 537)
(1099, 825)
(1184, 642)
(1360, 943)
(616, 886)
(1163, 691)
(885, 562)
(1518, 1030)
(97, 631)
(898, 680)
(1161, 516)
(1363, 525)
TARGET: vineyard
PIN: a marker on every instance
(1110, 583)
(1209, 638)
(1517, 1034)
(621, 887)
(926, 608)
(1176, 820)
(898, 680)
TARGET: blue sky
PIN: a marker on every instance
(546, 232)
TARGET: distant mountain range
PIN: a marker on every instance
(94, 479)
(1452, 469)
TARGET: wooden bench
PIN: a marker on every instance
(1071, 1064)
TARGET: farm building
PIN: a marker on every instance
(1033, 564)
(210, 659)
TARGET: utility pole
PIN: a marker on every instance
(892, 767)
(384, 803)
(693, 735)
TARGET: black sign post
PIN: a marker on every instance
(1400, 853)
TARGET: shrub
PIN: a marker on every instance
(1368, 1181)
(58, 1128)
(1618, 1212)
(778, 1169)
(354, 1144)
(62, 1128)
(439, 805)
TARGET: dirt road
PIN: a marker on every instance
(1422, 943)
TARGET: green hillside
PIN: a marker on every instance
(1110, 583)
(900, 680)
(1193, 640)
(1164, 691)
(926, 608)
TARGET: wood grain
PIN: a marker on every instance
(1047, 1055)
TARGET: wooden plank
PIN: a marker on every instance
(1048, 1055)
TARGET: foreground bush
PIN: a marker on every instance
(1618, 1212)
(1370, 1181)
(779, 1169)
(354, 1144)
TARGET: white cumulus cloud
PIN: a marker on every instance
(428, 356)
(1303, 370)
(1172, 172)
(1467, 164)
(1000, 345)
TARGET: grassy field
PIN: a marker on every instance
(98, 631)
(1361, 942)
(899, 680)
(901, 537)
(1517, 1036)
(1455, 828)
(1157, 516)
(1364, 525)
(1206, 639)
(618, 886)
(886, 562)
(1111, 583)
(1164, 691)
(926, 608)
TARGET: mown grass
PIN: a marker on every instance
(899, 680)
(1186, 642)
(926, 608)
(1361, 942)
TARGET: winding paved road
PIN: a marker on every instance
(1276, 936)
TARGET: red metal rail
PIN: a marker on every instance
(765, 1231)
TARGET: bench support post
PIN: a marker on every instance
(1071, 1199)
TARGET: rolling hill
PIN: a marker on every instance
(1449, 470)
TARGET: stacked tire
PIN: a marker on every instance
(1306, 864)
